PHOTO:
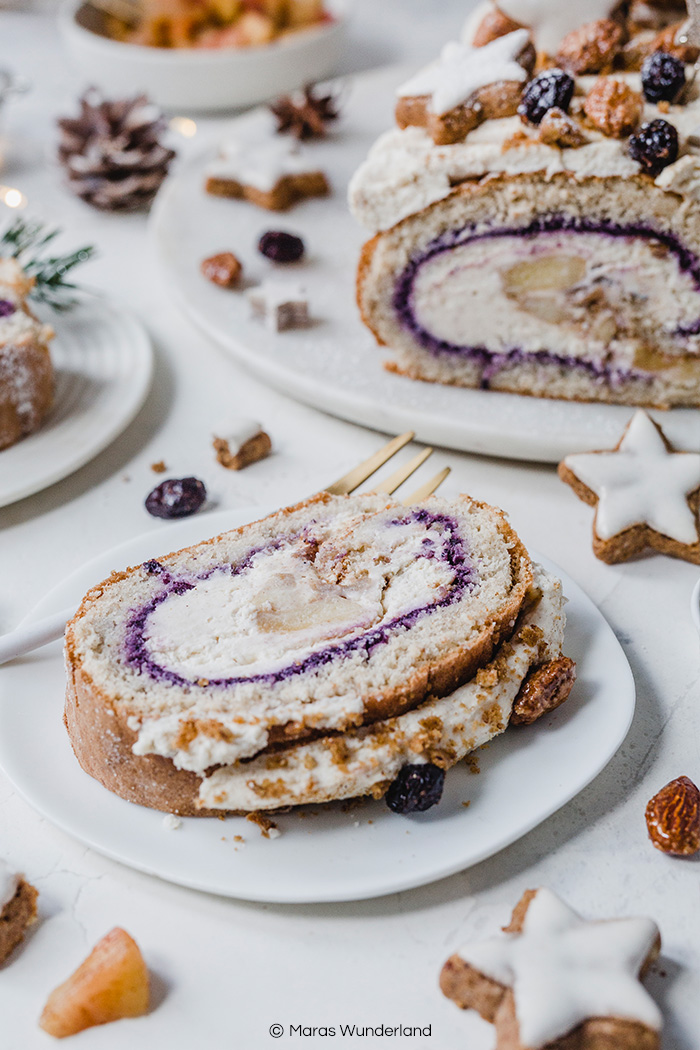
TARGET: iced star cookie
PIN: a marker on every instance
(553, 980)
(467, 86)
(646, 494)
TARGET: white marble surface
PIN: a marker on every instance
(225, 971)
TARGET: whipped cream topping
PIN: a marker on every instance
(9, 882)
(405, 171)
(18, 326)
(462, 70)
(641, 483)
(564, 970)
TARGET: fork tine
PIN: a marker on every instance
(427, 490)
(343, 486)
(403, 473)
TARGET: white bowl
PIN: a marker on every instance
(201, 78)
(695, 606)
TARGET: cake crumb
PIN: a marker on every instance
(268, 828)
(472, 762)
(467, 804)
(238, 838)
(171, 822)
(159, 467)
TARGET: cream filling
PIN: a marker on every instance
(284, 607)
(594, 288)
(479, 710)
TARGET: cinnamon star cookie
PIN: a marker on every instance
(646, 494)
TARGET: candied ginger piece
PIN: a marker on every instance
(110, 984)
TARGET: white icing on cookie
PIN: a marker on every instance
(280, 305)
(551, 20)
(237, 433)
(255, 156)
(641, 483)
(9, 881)
(563, 969)
(462, 70)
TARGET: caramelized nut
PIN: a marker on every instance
(673, 818)
(614, 107)
(493, 25)
(557, 128)
(223, 269)
(666, 41)
(543, 690)
(592, 48)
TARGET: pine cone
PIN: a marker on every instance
(111, 152)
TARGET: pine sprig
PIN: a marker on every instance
(26, 241)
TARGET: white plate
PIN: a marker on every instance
(331, 855)
(103, 362)
(335, 365)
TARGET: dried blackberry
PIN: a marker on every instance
(552, 88)
(416, 789)
(663, 77)
(176, 498)
(281, 247)
(6, 308)
(655, 146)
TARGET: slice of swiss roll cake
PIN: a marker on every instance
(309, 656)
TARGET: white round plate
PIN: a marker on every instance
(335, 364)
(103, 362)
(332, 854)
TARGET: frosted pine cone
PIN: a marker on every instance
(111, 152)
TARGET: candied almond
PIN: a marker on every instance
(666, 41)
(543, 690)
(592, 48)
(673, 818)
(494, 25)
(223, 269)
(557, 128)
(613, 107)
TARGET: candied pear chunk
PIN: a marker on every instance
(110, 984)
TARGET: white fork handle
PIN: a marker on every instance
(24, 639)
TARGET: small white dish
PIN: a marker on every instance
(202, 78)
(695, 606)
(337, 853)
(103, 363)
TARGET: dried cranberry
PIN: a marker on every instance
(655, 146)
(416, 789)
(281, 247)
(176, 498)
(663, 77)
(552, 88)
(6, 308)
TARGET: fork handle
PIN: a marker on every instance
(24, 639)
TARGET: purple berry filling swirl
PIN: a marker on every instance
(492, 362)
(451, 551)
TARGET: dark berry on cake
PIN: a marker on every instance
(552, 88)
(655, 146)
(176, 498)
(281, 247)
(6, 308)
(416, 789)
(663, 77)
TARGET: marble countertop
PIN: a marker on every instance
(225, 970)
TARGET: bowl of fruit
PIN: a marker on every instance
(204, 54)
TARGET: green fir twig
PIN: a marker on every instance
(27, 241)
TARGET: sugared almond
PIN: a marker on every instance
(673, 818)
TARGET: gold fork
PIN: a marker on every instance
(25, 639)
(355, 477)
